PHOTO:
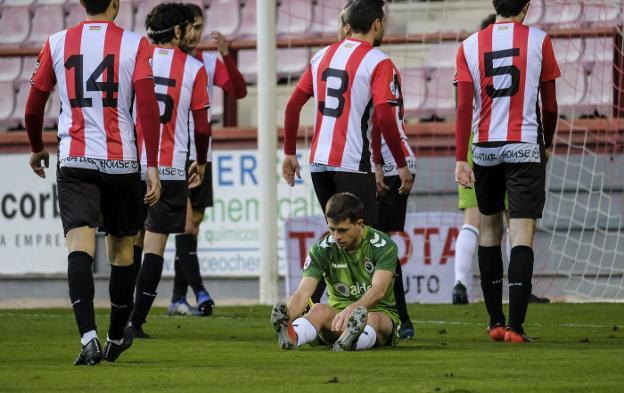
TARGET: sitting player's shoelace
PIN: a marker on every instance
(279, 319)
(355, 327)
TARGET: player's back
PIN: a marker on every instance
(95, 65)
(506, 63)
(175, 77)
(342, 77)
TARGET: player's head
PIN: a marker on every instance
(99, 7)
(364, 16)
(197, 27)
(166, 24)
(345, 219)
(512, 8)
(343, 28)
(490, 19)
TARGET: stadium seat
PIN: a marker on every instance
(571, 86)
(17, 117)
(18, 2)
(568, 50)
(535, 13)
(414, 85)
(7, 92)
(604, 13)
(598, 50)
(248, 64)
(248, 19)
(29, 64)
(294, 17)
(143, 8)
(75, 13)
(567, 13)
(599, 87)
(223, 16)
(440, 98)
(47, 20)
(10, 68)
(50, 2)
(442, 55)
(291, 62)
(326, 13)
(14, 24)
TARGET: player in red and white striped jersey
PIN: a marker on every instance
(505, 67)
(182, 89)
(222, 72)
(100, 69)
(349, 80)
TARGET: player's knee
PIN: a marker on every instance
(319, 309)
(191, 229)
(122, 258)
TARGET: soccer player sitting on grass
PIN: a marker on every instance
(357, 263)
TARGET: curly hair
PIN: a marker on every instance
(162, 20)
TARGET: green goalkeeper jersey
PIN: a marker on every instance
(349, 274)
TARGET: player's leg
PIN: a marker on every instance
(362, 185)
(183, 252)
(380, 331)
(392, 211)
(490, 191)
(316, 323)
(465, 249)
(79, 202)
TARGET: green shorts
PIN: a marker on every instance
(466, 198)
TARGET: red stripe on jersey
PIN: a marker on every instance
(341, 125)
(516, 103)
(167, 138)
(73, 38)
(112, 45)
(485, 46)
(321, 92)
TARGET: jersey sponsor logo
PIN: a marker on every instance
(377, 241)
(358, 289)
(342, 289)
(114, 167)
(392, 169)
(512, 153)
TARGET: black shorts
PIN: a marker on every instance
(168, 215)
(523, 179)
(202, 196)
(111, 202)
(392, 207)
(361, 185)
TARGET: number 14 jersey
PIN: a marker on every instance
(506, 62)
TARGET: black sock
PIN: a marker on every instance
(136, 265)
(146, 286)
(120, 289)
(81, 289)
(186, 247)
(318, 292)
(179, 281)
(399, 294)
(520, 273)
(491, 269)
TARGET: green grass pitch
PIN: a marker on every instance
(579, 348)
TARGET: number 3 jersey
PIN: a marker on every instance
(349, 274)
(95, 65)
(347, 80)
(506, 62)
(181, 86)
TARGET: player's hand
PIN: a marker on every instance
(407, 180)
(35, 162)
(340, 321)
(152, 181)
(290, 168)
(382, 188)
(222, 44)
(464, 174)
(196, 174)
(548, 153)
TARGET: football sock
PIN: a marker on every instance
(399, 294)
(147, 283)
(81, 290)
(520, 273)
(120, 289)
(305, 331)
(465, 248)
(88, 336)
(186, 247)
(179, 281)
(136, 265)
(318, 292)
(491, 268)
(367, 339)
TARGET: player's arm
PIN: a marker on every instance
(203, 132)
(42, 81)
(382, 188)
(227, 76)
(463, 120)
(302, 93)
(550, 71)
(299, 300)
(148, 115)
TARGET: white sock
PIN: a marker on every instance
(507, 245)
(305, 331)
(118, 342)
(367, 339)
(88, 336)
(465, 248)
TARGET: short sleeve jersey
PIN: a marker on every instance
(95, 65)
(349, 274)
(506, 62)
(347, 80)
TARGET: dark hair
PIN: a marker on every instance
(509, 8)
(490, 19)
(94, 7)
(162, 20)
(343, 206)
(195, 9)
(361, 14)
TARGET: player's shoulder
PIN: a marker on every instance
(194, 62)
(376, 56)
(536, 34)
(323, 245)
(378, 239)
(319, 55)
